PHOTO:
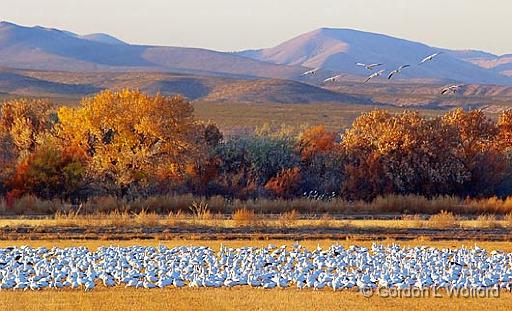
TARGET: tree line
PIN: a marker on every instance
(129, 144)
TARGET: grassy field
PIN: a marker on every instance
(237, 298)
(153, 220)
(232, 116)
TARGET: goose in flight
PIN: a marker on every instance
(332, 79)
(369, 66)
(374, 75)
(311, 72)
(429, 58)
(453, 88)
(397, 71)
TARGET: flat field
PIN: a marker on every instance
(239, 298)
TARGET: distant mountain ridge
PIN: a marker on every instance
(334, 50)
(52, 49)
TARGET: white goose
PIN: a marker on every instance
(311, 72)
(397, 71)
(374, 75)
(452, 88)
(369, 66)
(333, 79)
(429, 58)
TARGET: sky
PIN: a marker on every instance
(231, 25)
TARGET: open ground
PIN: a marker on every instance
(241, 297)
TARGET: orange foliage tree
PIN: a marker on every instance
(286, 184)
(478, 149)
(316, 140)
(402, 153)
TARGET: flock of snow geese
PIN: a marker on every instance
(335, 268)
(450, 89)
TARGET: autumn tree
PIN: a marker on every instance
(245, 164)
(402, 153)
(478, 149)
(51, 172)
(132, 138)
(286, 184)
(23, 124)
(315, 140)
(321, 161)
(25, 121)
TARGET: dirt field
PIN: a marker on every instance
(363, 230)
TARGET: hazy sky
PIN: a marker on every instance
(238, 24)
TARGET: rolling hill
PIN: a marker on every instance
(204, 88)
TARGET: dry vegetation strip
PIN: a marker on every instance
(245, 224)
(234, 299)
(187, 203)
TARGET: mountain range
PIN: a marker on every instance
(39, 61)
(333, 50)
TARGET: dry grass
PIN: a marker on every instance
(235, 299)
(415, 220)
(487, 221)
(206, 207)
(200, 210)
(508, 220)
(289, 219)
(443, 220)
(244, 217)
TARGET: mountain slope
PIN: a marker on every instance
(339, 50)
(51, 49)
(103, 38)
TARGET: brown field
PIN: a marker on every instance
(241, 298)
(148, 226)
(233, 116)
(235, 299)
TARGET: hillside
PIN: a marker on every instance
(204, 88)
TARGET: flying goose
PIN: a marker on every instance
(374, 75)
(311, 72)
(452, 88)
(397, 71)
(369, 66)
(332, 79)
(429, 58)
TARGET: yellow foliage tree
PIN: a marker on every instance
(25, 122)
(132, 137)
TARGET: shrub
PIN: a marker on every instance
(289, 219)
(244, 216)
(443, 220)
